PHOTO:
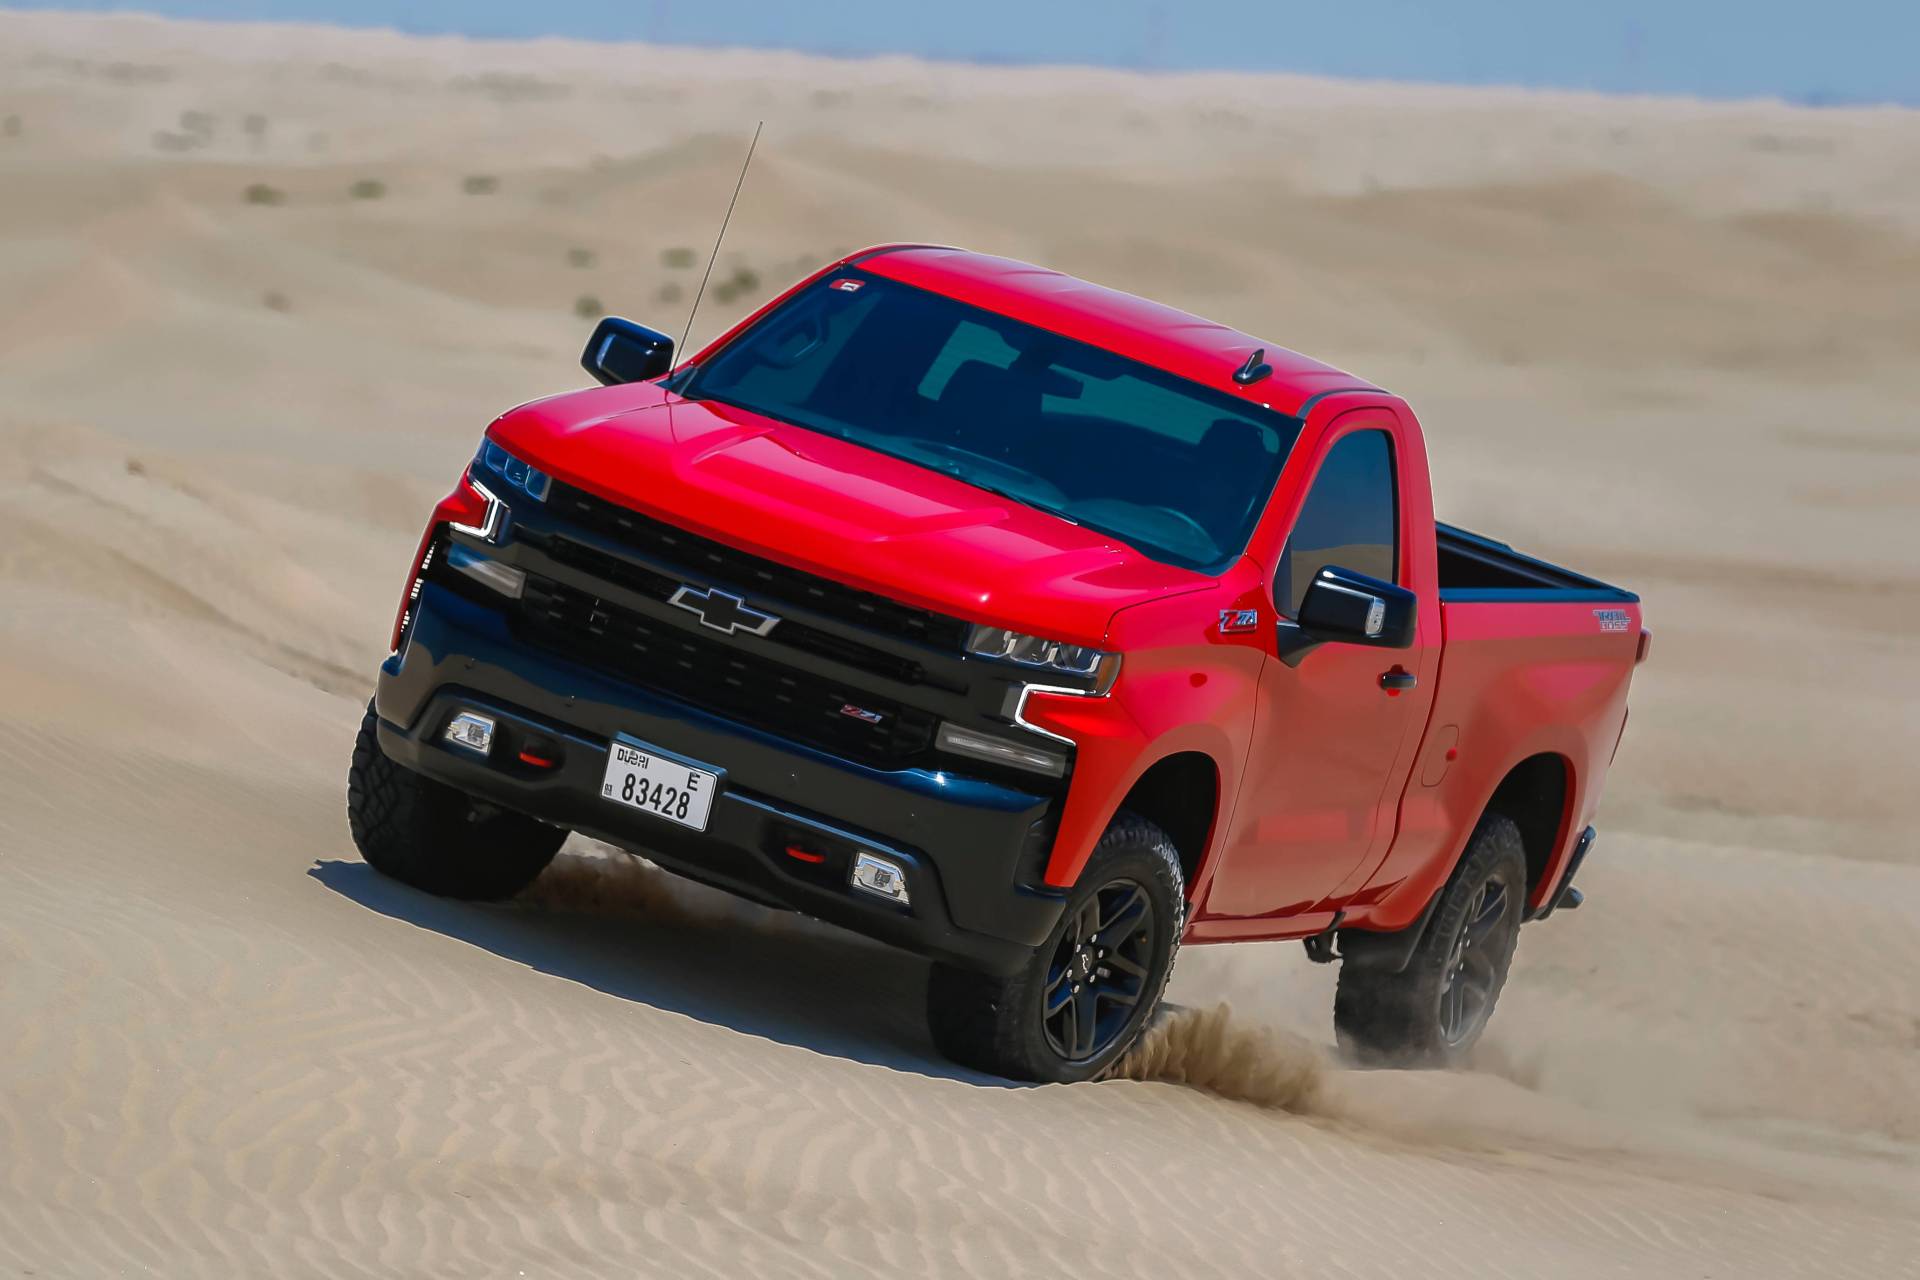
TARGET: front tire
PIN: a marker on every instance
(1081, 1001)
(1432, 1013)
(426, 834)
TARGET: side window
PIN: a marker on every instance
(1347, 520)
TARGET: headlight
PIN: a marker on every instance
(1046, 655)
(518, 475)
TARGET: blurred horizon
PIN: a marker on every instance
(1848, 52)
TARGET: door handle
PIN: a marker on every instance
(1398, 681)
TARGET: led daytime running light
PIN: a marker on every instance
(1044, 655)
(520, 476)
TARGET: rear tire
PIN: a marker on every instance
(1082, 1000)
(426, 834)
(1432, 1013)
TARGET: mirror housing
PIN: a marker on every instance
(1344, 607)
(622, 351)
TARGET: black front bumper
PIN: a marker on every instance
(972, 849)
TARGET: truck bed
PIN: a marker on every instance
(1476, 568)
(1536, 666)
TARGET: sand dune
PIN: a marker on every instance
(264, 286)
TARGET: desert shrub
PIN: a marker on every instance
(274, 300)
(480, 184)
(367, 189)
(679, 259)
(588, 307)
(743, 280)
(578, 257)
(669, 292)
(261, 193)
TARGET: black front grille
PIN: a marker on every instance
(658, 586)
(715, 562)
(718, 677)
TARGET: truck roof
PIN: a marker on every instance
(1155, 334)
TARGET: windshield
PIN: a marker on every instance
(1176, 470)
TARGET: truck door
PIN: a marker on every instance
(1328, 735)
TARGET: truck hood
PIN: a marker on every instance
(838, 510)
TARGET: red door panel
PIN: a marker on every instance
(1330, 746)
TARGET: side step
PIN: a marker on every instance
(1320, 945)
(1566, 896)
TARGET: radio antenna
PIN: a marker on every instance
(698, 293)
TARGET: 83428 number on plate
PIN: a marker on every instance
(664, 788)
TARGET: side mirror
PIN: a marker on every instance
(1344, 607)
(622, 351)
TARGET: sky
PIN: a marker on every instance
(1835, 51)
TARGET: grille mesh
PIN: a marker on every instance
(719, 677)
(791, 633)
(716, 562)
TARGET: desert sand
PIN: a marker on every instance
(262, 287)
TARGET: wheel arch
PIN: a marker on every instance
(1537, 794)
(1180, 793)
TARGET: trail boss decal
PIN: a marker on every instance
(1613, 619)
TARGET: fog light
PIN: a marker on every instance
(504, 578)
(880, 876)
(998, 750)
(474, 732)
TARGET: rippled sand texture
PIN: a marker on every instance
(260, 289)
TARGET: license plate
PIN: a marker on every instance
(641, 779)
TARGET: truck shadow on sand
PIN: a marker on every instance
(639, 934)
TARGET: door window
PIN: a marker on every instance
(1348, 519)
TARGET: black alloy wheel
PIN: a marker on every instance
(1473, 972)
(1099, 971)
(1073, 1009)
(1432, 1012)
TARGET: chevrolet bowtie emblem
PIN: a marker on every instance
(723, 611)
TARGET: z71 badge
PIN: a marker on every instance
(1232, 620)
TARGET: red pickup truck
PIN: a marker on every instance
(1018, 622)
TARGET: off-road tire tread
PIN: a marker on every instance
(979, 1020)
(1391, 1019)
(431, 836)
